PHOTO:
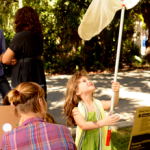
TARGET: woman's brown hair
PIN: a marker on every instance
(25, 97)
(71, 99)
(26, 18)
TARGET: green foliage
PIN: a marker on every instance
(63, 48)
(129, 50)
(7, 11)
(121, 138)
(96, 64)
(137, 61)
(8, 36)
(143, 23)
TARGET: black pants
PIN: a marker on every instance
(45, 90)
(4, 86)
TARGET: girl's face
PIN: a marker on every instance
(85, 85)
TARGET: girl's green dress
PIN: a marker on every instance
(91, 138)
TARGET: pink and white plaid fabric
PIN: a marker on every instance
(36, 134)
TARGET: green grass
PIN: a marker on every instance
(120, 138)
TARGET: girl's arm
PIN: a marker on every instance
(90, 125)
(8, 57)
(107, 104)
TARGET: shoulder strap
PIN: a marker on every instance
(79, 132)
(100, 114)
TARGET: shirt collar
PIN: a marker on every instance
(32, 120)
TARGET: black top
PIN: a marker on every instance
(27, 45)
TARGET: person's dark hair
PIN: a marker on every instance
(26, 18)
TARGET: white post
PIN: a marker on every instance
(116, 68)
(118, 53)
(20, 3)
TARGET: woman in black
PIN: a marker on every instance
(25, 49)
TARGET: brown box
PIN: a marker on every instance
(8, 118)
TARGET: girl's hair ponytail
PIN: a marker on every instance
(25, 98)
(14, 97)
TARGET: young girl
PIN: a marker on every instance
(88, 113)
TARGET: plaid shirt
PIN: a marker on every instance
(36, 134)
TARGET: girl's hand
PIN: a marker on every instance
(115, 86)
(111, 120)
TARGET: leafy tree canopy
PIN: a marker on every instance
(64, 51)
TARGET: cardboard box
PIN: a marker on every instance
(140, 136)
(8, 119)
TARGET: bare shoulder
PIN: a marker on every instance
(75, 111)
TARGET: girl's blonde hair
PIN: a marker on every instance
(25, 97)
(71, 99)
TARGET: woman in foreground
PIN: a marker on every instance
(33, 132)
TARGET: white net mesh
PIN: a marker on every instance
(99, 14)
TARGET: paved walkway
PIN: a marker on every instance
(134, 92)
